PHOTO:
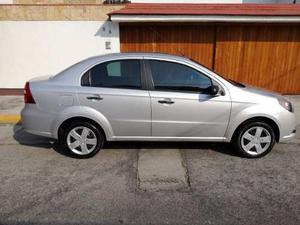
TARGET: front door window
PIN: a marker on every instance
(171, 76)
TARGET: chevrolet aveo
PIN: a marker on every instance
(153, 97)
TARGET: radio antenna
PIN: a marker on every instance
(163, 39)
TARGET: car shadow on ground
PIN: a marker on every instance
(26, 139)
(224, 148)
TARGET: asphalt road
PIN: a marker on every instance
(41, 185)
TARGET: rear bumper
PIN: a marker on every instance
(35, 121)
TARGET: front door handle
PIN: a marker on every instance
(94, 98)
(166, 101)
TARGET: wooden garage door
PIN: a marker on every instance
(263, 56)
(194, 41)
(266, 56)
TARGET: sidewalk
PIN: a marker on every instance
(11, 106)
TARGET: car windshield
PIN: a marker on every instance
(235, 83)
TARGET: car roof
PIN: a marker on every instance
(86, 63)
(138, 54)
(71, 74)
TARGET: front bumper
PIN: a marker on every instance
(289, 137)
(287, 125)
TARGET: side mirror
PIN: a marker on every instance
(214, 89)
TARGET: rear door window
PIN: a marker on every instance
(114, 74)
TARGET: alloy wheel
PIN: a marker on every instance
(81, 140)
(256, 140)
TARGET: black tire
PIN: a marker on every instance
(77, 124)
(237, 139)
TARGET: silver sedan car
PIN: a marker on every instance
(153, 97)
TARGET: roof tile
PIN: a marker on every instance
(209, 9)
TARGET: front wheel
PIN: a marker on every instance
(255, 139)
(82, 139)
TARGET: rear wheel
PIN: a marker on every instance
(82, 139)
(254, 139)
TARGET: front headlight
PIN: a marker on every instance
(286, 104)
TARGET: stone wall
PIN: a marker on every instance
(58, 1)
(93, 12)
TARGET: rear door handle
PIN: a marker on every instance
(166, 101)
(94, 98)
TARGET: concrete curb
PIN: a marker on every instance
(9, 119)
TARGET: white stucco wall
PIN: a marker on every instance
(34, 48)
(6, 1)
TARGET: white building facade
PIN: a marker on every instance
(35, 48)
(40, 39)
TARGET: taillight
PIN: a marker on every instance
(27, 94)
